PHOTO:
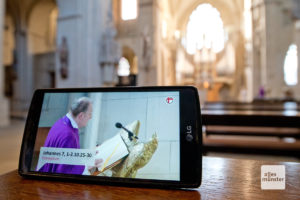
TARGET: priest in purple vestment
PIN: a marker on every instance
(64, 134)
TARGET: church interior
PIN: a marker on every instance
(241, 55)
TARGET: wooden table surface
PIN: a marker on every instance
(222, 179)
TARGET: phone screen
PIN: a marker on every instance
(111, 134)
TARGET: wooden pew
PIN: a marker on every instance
(252, 127)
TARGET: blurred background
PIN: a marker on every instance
(242, 55)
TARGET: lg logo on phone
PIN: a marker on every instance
(189, 137)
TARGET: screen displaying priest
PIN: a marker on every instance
(65, 134)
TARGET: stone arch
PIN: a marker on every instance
(42, 27)
(290, 65)
(130, 55)
(226, 8)
(41, 33)
(199, 32)
(231, 13)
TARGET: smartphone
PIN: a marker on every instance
(129, 136)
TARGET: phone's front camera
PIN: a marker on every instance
(189, 137)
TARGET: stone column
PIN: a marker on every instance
(259, 45)
(4, 106)
(23, 88)
(82, 24)
(279, 35)
(239, 79)
(148, 55)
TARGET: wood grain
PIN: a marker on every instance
(222, 179)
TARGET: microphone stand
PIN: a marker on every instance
(130, 134)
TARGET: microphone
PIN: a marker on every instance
(130, 134)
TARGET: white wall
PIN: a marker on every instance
(91, 132)
(54, 107)
(155, 116)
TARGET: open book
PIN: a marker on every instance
(111, 152)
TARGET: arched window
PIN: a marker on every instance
(129, 9)
(124, 67)
(205, 29)
(291, 66)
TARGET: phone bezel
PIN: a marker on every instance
(190, 151)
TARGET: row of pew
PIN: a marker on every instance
(263, 127)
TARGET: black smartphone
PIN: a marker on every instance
(130, 136)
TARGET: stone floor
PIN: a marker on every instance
(11, 138)
(10, 144)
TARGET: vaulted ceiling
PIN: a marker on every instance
(20, 10)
